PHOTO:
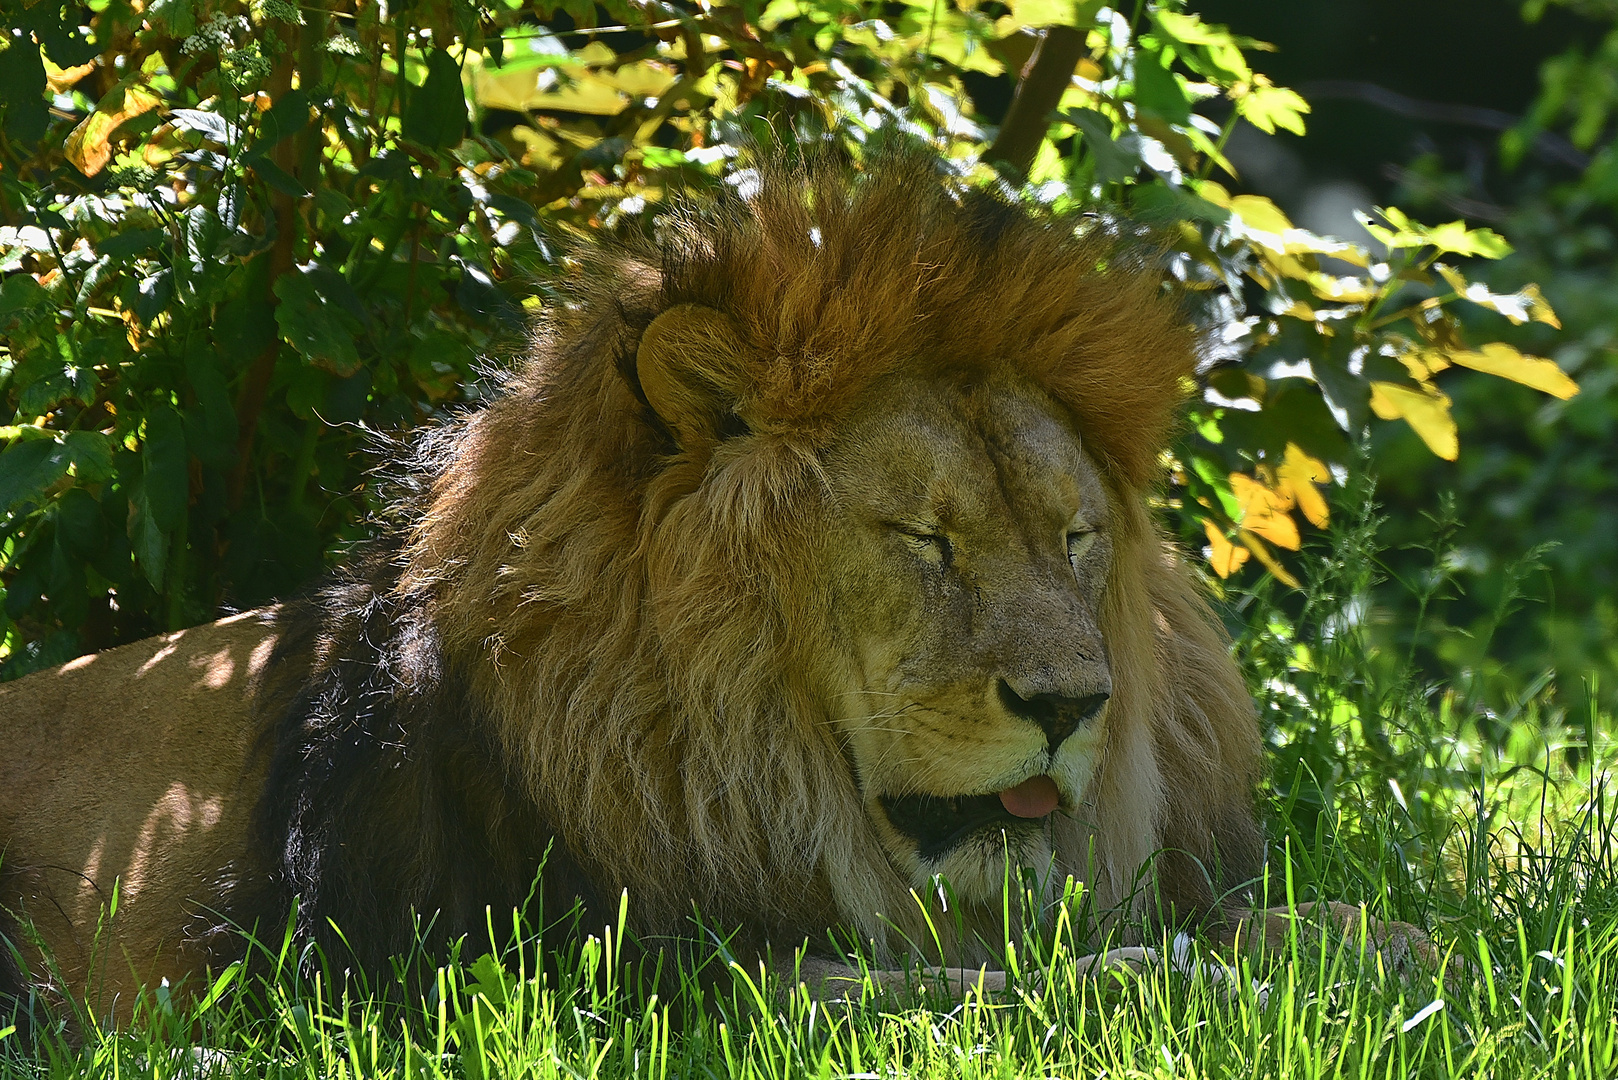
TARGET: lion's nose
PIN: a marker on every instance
(1057, 715)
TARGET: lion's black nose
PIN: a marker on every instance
(1058, 716)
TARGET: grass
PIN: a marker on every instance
(1492, 827)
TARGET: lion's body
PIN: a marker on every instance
(133, 767)
(801, 562)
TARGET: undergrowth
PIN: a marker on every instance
(1424, 803)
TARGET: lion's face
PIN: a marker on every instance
(966, 565)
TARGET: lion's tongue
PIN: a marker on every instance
(1033, 798)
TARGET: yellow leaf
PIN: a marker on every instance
(1502, 360)
(1520, 307)
(1452, 236)
(573, 87)
(87, 145)
(61, 80)
(1214, 192)
(1297, 477)
(1225, 558)
(1259, 213)
(1270, 107)
(1265, 511)
(1539, 308)
(1037, 13)
(1344, 290)
(1262, 554)
(1423, 364)
(1426, 411)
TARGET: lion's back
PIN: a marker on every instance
(137, 766)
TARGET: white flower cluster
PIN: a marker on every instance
(217, 34)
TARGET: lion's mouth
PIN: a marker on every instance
(938, 823)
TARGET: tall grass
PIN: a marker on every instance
(1424, 803)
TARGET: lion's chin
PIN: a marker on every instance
(972, 842)
(980, 868)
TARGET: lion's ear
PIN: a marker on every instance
(692, 368)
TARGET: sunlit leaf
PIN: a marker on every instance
(1035, 14)
(1503, 360)
(1297, 477)
(1265, 511)
(1271, 107)
(1342, 290)
(1522, 306)
(1225, 557)
(87, 146)
(1252, 543)
(1425, 410)
(1452, 236)
(1260, 213)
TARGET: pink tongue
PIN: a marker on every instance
(1033, 798)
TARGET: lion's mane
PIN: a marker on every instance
(586, 645)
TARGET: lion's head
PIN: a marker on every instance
(810, 558)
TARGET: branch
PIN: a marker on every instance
(1046, 76)
(1547, 145)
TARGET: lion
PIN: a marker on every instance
(805, 564)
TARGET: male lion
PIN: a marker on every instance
(806, 558)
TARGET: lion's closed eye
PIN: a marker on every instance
(1079, 544)
(928, 544)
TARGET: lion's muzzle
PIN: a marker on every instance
(1057, 715)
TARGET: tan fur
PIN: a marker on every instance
(132, 767)
(663, 552)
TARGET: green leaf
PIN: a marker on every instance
(314, 327)
(20, 294)
(28, 467)
(435, 114)
(209, 125)
(1158, 89)
(79, 525)
(22, 92)
(91, 454)
(211, 428)
(202, 235)
(150, 542)
(178, 17)
(285, 118)
(125, 245)
(167, 488)
(1114, 160)
(278, 178)
(244, 328)
(306, 392)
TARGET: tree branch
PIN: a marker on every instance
(1046, 76)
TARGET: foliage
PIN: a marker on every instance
(238, 237)
(1541, 474)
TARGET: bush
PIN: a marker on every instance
(240, 237)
